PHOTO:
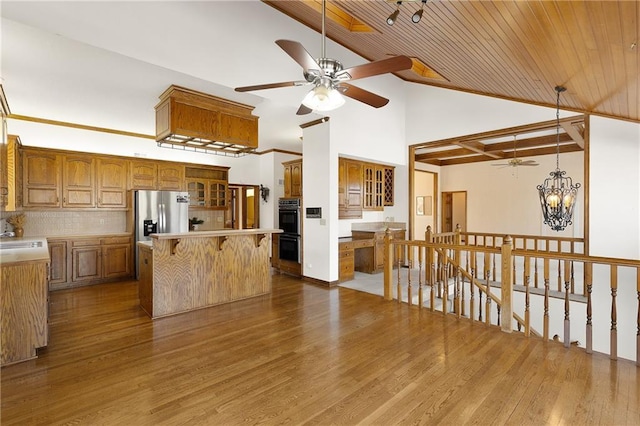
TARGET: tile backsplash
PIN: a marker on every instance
(60, 222)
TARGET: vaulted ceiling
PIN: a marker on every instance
(516, 50)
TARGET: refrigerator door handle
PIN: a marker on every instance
(161, 218)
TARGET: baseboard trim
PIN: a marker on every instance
(323, 283)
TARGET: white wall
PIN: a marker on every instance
(614, 230)
(423, 186)
(505, 200)
(320, 189)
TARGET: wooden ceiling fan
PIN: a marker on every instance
(515, 162)
(329, 78)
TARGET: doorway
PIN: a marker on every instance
(454, 210)
(243, 211)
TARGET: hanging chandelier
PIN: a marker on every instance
(558, 193)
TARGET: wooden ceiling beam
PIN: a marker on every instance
(545, 140)
(459, 152)
(575, 134)
(480, 148)
(527, 153)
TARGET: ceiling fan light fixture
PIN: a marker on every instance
(323, 97)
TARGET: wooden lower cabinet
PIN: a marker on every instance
(346, 262)
(58, 263)
(91, 260)
(145, 280)
(23, 321)
(371, 258)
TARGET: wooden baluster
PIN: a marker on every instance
(499, 310)
(388, 265)
(410, 264)
(535, 272)
(545, 325)
(420, 282)
(399, 284)
(445, 282)
(480, 305)
(588, 276)
(559, 276)
(487, 319)
(573, 282)
(432, 300)
(614, 313)
(458, 299)
(439, 280)
(567, 323)
(472, 286)
(527, 312)
(638, 320)
(493, 262)
(462, 307)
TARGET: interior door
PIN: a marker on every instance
(244, 207)
(454, 210)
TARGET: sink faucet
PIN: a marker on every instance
(8, 234)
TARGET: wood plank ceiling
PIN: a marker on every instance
(516, 50)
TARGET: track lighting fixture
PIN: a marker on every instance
(418, 15)
(392, 18)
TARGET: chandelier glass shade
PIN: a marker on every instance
(558, 193)
(323, 97)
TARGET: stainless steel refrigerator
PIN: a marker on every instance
(158, 212)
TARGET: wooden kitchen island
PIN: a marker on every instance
(187, 271)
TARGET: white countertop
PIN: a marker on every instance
(219, 233)
(30, 254)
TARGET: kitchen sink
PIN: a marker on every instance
(5, 245)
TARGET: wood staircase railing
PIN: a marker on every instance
(446, 266)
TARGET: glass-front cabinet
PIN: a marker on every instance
(208, 188)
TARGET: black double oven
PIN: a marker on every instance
(289, 220)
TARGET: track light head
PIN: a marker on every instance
(418, 15)
(392, 18)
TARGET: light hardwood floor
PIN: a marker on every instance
(303, 355)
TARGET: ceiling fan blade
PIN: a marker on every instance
(303, 110)
(270, 86)
(396, 63)
(300, 55)
(528, 163)
(363, 95)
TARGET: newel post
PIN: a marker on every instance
(506, 285)
(388, 265)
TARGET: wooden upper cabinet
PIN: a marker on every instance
(374, 187)
(143, 174)
(242, 130)
(78, 179)
(350, 192)
(208, 187)
(389, 185)
(293, 178)
(11, 165)
(41, 179)
(156, 175)
(171, 177)
(112, 182)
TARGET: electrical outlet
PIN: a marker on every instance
(101, 221)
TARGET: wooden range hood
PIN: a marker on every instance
(195, 121)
